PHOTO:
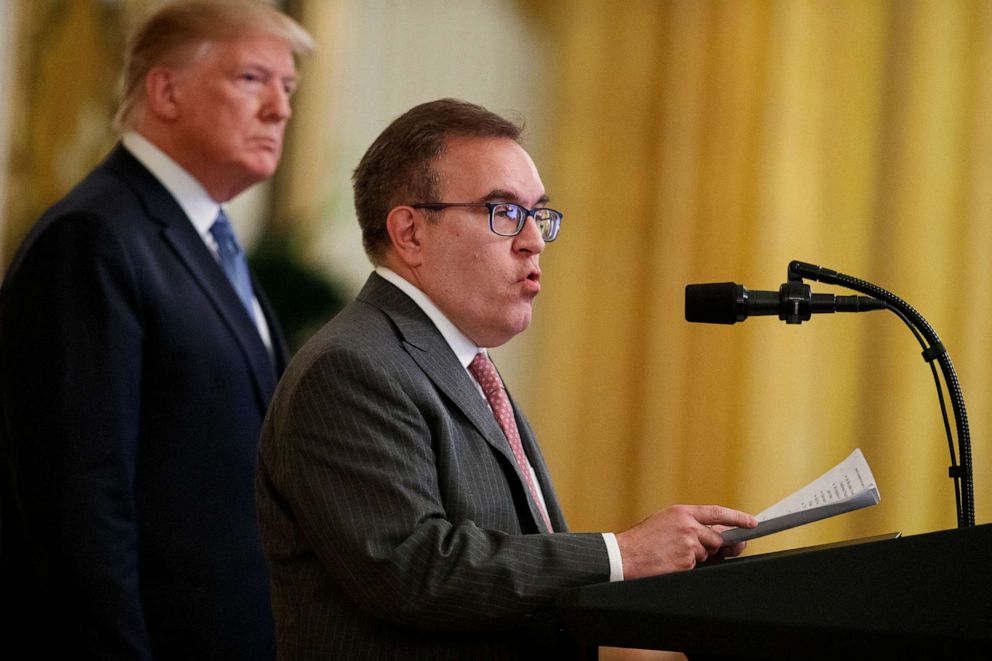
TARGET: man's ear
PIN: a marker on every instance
(160, 93)
(405, 226)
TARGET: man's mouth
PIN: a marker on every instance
(532, 281)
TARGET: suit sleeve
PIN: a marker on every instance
(72, 343)
(350, 449)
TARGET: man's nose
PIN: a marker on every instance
(277, 104)
(530, 238)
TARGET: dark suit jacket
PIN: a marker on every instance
(133, 386)
(393, 516)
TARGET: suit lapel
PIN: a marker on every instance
(428, 348)
(181, 237)
(280, 352)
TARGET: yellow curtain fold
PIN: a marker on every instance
(65, 74)
(694, 141)
(715, 141)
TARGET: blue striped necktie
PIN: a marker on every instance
(232, 259)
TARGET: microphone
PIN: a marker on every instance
(794, 303)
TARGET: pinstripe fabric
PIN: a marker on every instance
(393, 519)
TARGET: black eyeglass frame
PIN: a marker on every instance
(554, 222)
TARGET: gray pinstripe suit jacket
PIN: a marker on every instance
(393, 517)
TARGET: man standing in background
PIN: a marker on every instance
(138, 357)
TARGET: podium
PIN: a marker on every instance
(922, 596)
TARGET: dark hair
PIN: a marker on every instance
(399, 166)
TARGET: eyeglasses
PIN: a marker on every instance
(508, 219)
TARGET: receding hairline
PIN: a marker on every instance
(401, 164)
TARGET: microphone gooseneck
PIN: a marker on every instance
(794, 303)
(933, 350)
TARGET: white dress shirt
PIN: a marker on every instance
(194, 200)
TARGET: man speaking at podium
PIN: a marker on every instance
(406, 510)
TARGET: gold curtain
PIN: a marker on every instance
(299, 197)
(696, 141)
(64, 95)
(707, 141)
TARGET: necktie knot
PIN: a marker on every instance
(485, 373)
(223, 233)
(232, 260)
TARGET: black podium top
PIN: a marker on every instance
(920, 596)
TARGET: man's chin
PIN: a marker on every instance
(263, 171)
(262, 164)
(517, 327)
(256, 172)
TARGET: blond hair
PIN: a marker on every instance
(174, 33)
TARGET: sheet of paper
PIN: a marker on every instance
(847, 486)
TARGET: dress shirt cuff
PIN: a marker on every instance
(616, 562)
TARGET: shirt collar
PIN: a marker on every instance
(191, 196)
(464, 348)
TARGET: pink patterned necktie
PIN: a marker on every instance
(492, 386)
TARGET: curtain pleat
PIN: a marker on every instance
(716, 141)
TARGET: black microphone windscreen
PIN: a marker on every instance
(712, 303)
